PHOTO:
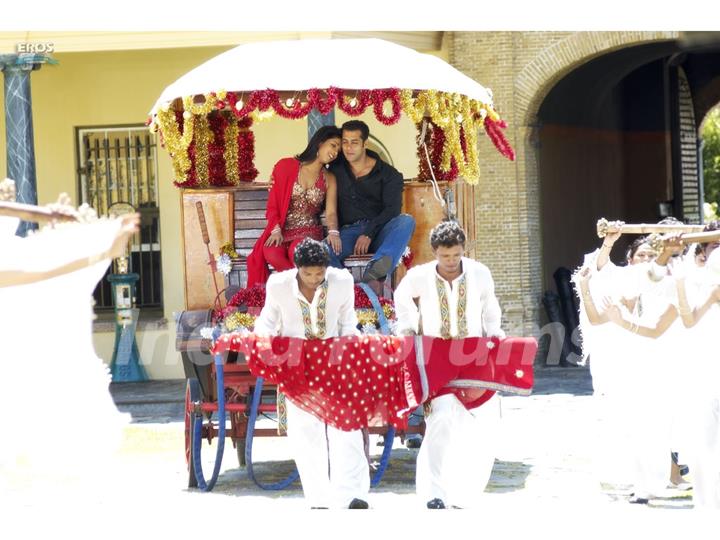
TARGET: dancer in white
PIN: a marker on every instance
(315, 301)
(456, 299)
(699, 308)
(643, 407)
(51, 374)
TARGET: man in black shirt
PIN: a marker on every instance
(369, 199)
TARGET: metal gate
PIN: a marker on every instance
(119, 164)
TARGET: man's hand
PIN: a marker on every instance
(362, 245)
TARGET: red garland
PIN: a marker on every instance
(251, 297)
(363, 98)
(379, 98)
(217, 172)
(266, 98)
(492, 128)
(407, 260)
(435, 141)
(298, 110)
(363, 302)
(246, 151)
(247, 108)
(316, 100)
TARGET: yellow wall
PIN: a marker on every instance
(119, 87)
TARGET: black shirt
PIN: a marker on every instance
(375, 197)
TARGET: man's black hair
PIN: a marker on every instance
(310, 252)
(447, 234)
(320, 136)
(357, 125)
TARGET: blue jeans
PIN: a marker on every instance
(391, 241)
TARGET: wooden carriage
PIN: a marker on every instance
(205, 118)
(238, 215)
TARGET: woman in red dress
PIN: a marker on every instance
(301, 189)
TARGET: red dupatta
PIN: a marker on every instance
(284, 175)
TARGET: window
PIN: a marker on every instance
(119, 164)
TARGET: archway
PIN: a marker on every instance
(617, 137)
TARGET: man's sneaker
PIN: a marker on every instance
(377, 269)
(436, 504)
(358, 504)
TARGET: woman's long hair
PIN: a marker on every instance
(321, 135)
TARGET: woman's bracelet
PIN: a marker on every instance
(333, 232)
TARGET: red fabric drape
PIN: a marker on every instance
(357, 381)
(284, 175)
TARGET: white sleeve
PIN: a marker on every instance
(406, 311)
(268, 322)
(347, 318)
(491, 315)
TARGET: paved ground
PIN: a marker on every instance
(543, 477)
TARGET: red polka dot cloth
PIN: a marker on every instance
(353, 382)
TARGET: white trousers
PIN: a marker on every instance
(458, 451)
(332, 464)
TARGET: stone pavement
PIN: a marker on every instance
(543, 472)
(545, 452)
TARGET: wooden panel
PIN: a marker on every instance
(255, 204)
(252, 192)
(217, 205)
(253, 234)
(258, 224)
(419, 202)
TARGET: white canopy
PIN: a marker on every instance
(356, 64)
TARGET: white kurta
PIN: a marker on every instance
(317, 447)
(457, 454)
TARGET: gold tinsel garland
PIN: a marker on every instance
(231, 150)
(202, 142)
(236, 320)
(176, 143)
(368, 316)
(200, 109)
(449, 111)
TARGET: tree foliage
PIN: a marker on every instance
(711, 155)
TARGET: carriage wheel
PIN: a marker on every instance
(193, 395)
